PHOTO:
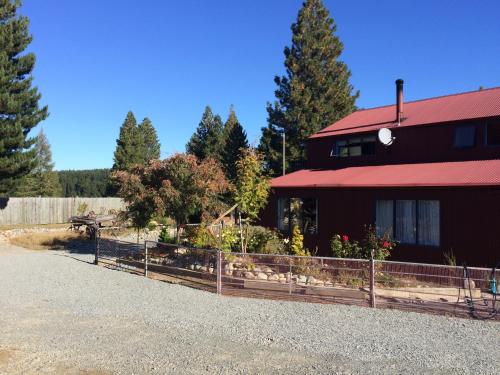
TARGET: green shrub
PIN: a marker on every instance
(165, 236)
(230, 239)
(265, 241)
(297, 243)
(344, 247)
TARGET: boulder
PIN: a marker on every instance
(257, 269)
(283, 280)
(249, 275)
(273, 277)
(281, 275)
(267, 270)
(191, 266)
(210, 269)
(311, 280)
(261, 276)
(197, 267)
(203, 269)
(302, 279)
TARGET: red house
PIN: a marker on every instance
(433, 184)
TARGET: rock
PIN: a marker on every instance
(261, 276)
(320, 283)
(283, 280)
(273, 277)
(311, 280)
(267, 270)
(249, 275)
(238, 273)
(210, 269)
(328, 283)
(466, 284)
(257, 269)
(228, 272)
(230, 266)
(281, 275)
(191, 266)
(288, 277)
(197, 267)
(302, 279)
(203, 269)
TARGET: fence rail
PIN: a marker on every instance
(371, 283)
(51, 210)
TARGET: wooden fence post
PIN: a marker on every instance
(372, 281)
(97, 238)
(146, 258)
(219, 272)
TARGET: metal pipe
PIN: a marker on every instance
(399, 101)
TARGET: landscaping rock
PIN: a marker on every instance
(203, 269)
(302, 279)
(267, 270)
(191, 266)
(273, 277)
(311, 280)
(283, 280)
(210, 269)
(249, 275)
(261, 276)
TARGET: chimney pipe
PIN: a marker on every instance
(399, 101)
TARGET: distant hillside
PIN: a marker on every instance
(85, 183)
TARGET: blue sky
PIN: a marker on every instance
(168, 59)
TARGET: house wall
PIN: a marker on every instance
(415, 144)
(470, 220)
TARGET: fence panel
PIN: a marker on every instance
(311, 279)
(407, 286)
(51, 210)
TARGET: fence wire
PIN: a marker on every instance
(408, 286)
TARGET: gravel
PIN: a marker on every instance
(61, 314)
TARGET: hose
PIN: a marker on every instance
(470, 301)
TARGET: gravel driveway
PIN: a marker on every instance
(60, 314)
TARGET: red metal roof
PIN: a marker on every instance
(465, 173)
(464, 106)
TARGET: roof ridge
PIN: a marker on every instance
(431, 98)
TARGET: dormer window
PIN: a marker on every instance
(356, 146)
(465, 136)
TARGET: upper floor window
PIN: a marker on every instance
(465, 136)
(298, 211)
(357, 146)
(493, 133)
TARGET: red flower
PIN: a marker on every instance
(345, 238)
(386, 244)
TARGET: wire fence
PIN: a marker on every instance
(408, 286)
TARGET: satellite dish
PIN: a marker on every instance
(385, 137)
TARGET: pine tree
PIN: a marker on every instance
(206, 141)
(43, 181)
(315, 91)
(234, 140)
(151, 146)
(19, 110)
(129, 145)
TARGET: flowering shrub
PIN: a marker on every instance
(297, 243)
(343, 247)
(230, 239)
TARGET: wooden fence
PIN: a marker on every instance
(52, 210)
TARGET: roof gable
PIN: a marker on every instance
(456, 107)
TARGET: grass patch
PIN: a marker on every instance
(48, 241)
(33, 226)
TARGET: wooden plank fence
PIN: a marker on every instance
(40, 210)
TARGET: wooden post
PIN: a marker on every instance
(97, 235)
(290, 275)
(219, 272)
(145, 259)
(372, 281)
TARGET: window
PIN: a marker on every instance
(298, 211)
(355, 147)
(409, 221)
(465, 136)
(493, 134)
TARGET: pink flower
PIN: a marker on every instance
(386, 244)
(345, 238)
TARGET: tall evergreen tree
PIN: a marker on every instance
(42, 181)
(234, 140)
(206, 140)
(151, 146)
(315, 91)
(19, 110)
(129, 145)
